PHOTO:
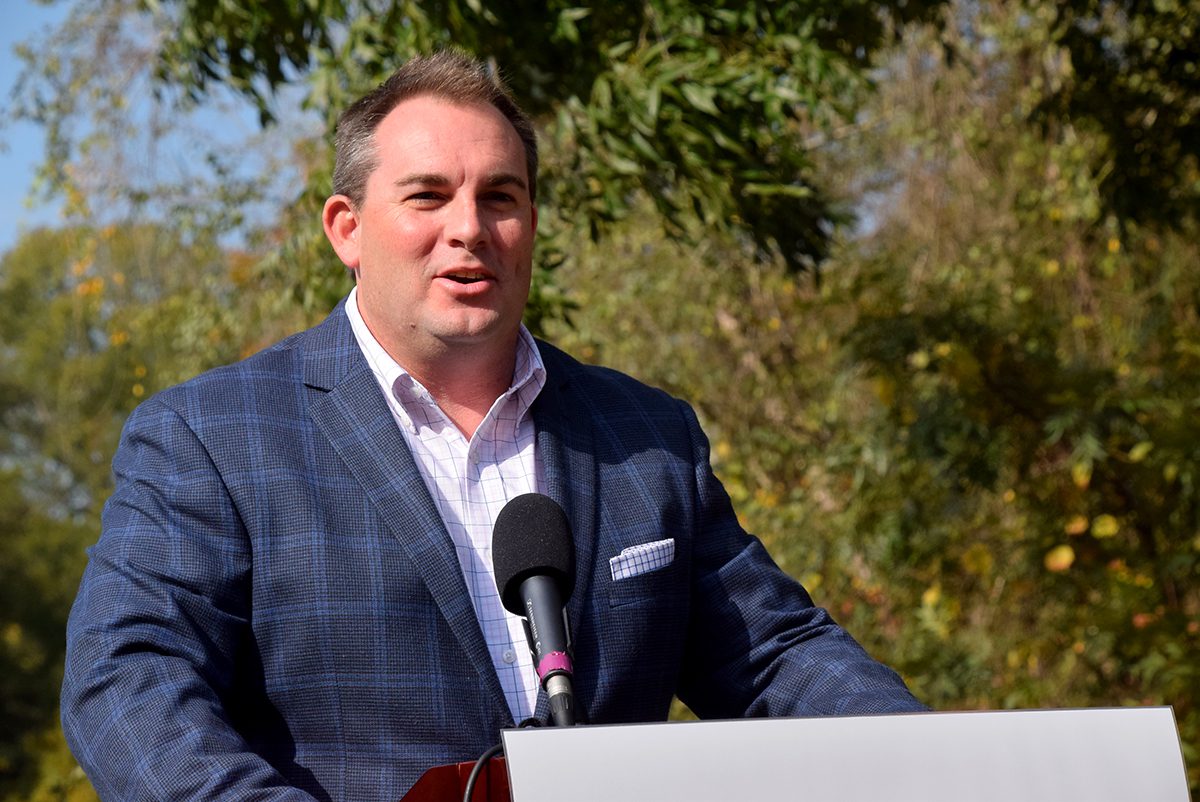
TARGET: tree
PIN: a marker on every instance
(975, 442)
(95, 321)
(1131, 74)
(1030, 348)
(700, 108)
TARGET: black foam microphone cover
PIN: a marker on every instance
(532, 537)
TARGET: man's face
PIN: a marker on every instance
(442, 243)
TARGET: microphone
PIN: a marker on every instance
(533, 555)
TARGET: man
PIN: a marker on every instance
(292, 596)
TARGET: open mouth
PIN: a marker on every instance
(467, 278)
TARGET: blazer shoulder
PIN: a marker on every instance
(602, 385)
(622, 413)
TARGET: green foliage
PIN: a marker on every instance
(95, 321)
(35, 593)
(976, 442)
(702, 108)
(1131, 72)
(1032, 356)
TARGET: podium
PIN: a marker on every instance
(1101, 755)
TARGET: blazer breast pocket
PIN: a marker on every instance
(644, 571)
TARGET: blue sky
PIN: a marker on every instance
(20, 143)
(224, 122)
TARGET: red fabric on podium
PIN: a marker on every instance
(447, 783)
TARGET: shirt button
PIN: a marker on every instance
(509, 656)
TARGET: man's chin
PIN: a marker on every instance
(477, 329)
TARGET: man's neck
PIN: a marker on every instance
(465, 385)
(464, 377)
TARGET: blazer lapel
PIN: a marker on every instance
(353, 414)
(564, 444)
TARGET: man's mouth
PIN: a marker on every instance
(466, 278)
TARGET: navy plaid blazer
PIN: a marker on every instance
(274, 609)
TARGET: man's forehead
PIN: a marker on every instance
(436, 142)
(422, 129)
(432, 114)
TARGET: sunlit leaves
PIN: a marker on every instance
(1059, 558)
(95, 321)
(1059, 428)
(703, 110)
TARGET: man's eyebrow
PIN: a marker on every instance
(436, 180)
(422, 179)
(500, 179)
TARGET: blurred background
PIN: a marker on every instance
(928, 272)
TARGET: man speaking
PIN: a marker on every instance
(292, 597)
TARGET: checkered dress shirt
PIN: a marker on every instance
(470, 482)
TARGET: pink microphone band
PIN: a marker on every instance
(555, 661)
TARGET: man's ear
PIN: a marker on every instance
(341, 229)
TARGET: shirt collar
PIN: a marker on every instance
(529, 372)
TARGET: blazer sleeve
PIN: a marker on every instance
(154, 635)
(757, 645)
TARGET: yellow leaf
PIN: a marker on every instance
(1077, 525)
(1105, 526)
(1059, 558)
(1139, 452)
(1081, 474)
(931, 596)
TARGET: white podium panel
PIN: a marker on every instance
(1100, 755)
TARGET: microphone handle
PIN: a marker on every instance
(550, 643)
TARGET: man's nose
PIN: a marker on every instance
(465, 226)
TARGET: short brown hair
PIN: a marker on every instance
(448, 75)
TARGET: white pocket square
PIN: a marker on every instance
(637, 560)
